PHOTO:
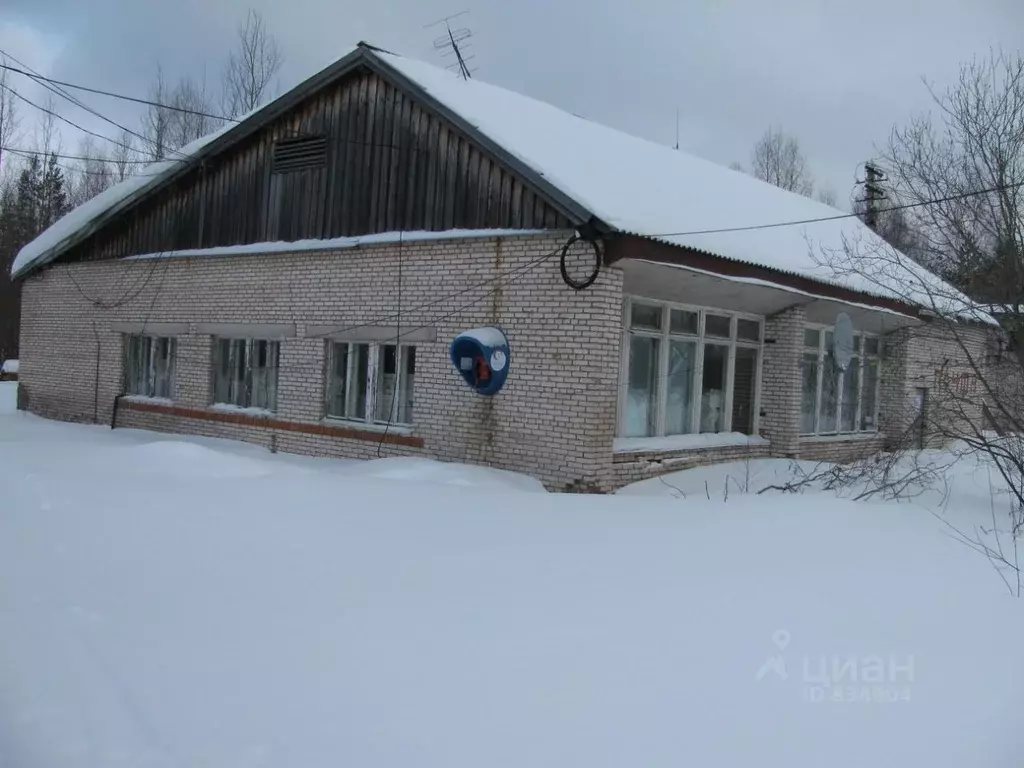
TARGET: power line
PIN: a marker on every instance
(58, 155)
(79, 103)
(840, 216)
(121, 96)
(70, 169)
(64, 119)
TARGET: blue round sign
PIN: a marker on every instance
(482, 358)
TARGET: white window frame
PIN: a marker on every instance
(665, 336)
(274, 348)
(863, 359)
(150, 373)
(374, 355)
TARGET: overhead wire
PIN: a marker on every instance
(840, 216)
(36, 77)
(74, 169)
(123, 97)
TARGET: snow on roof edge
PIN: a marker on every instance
(51, 241)
(339, 243)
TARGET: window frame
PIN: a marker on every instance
(274, 346)
(150, 374)
(374, 358)
(860, 354)
(665, 336)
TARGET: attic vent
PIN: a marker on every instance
(299, 152)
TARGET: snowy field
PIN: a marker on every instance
(169, 602)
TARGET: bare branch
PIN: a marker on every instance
(250, 69)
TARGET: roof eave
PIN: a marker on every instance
(673, 253)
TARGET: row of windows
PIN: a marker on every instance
(689, 370)
(685, 371)
(835, 401)
(370, 383)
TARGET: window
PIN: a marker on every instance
(371, 383)
(687, 370)
(834, 401)
(245, 373)
(149, 366)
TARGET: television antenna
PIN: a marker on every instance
(453, 43)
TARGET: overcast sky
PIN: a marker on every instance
(836, 73)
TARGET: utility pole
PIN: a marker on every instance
(873, 193)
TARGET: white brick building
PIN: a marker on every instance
(234, 292)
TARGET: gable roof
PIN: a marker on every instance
(592, 172)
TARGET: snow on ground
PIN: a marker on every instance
(434, 472)
(10, 366)
(172, 602)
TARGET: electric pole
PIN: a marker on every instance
(873, 193)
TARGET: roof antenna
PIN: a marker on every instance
(677, 129)
(452, 41)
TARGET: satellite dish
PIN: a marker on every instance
(842, 341)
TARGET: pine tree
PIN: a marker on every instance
(53, 197)
(27, 218)
(11, 241)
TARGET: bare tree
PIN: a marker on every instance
(778, 159)
(94, 173)
(969, 153)
(122, 158)
(962, 167)
(827, 195)
(894, 225)
(251, 68)
(8, 117)
(156, 122)
(47, 136)
(194, 122)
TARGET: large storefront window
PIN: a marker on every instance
(688, 370)
(834, 401)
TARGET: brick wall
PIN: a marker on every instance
(554, 419)
(937, 359)
(839, 449)
(632, 467)
(780, 381)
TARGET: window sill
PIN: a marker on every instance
(842, 437)
(363, 426)
(685, 442)
(262, 419)
(145, 399)
(249, 411)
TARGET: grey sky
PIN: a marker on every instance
(835, 73)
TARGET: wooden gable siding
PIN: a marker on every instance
(391, 165)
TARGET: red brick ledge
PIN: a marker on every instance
(268, 422)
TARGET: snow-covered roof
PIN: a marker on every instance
(652, 190)
(634, 185)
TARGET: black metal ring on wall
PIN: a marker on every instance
(578, 285)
